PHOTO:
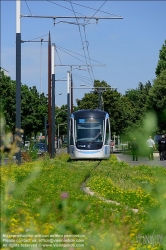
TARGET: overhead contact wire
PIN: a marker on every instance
(81, 41)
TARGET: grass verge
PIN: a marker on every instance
(44, 198)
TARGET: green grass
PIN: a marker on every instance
(45, 197)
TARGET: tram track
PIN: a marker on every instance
(83, 184)
(87, 190)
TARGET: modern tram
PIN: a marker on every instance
(90, 135)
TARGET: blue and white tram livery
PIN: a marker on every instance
(89, 135)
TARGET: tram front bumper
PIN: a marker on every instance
(103, 153)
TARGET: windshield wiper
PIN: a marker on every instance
(95, 138)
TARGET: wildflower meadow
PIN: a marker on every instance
(44, 205)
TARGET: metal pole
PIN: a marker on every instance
(58, 137)
(68, 110)
(53, 117)
(49, 95)
(99, 99)
(45, 133)
(53, 103)
(18, 78)
(71, 84)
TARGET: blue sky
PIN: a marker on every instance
(128, 47)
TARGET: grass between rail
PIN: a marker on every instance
(125, 212)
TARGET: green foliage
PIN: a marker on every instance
(7, 100)
(157, 100)
(121, 113)
(89, 101)
(138, 99)
(33, 106)
(161, 66)
(34, 109)
(61, 120)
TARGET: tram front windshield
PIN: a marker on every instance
(89, 130)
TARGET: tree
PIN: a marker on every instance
(161, 66)
(61, 118)
(33, 110)
(7, 100)
(33, 106)
(157, 100)
(91, 100)
(139, 101)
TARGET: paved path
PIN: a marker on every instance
(6, 160)
(141, 160)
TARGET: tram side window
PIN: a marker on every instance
(71, 132)
(107, 136)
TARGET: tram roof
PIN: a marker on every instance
(97, 113)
